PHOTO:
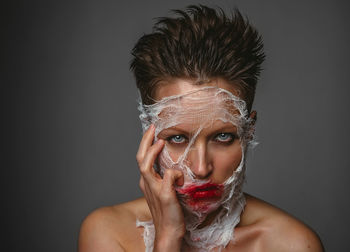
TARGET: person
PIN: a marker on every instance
(196, 73)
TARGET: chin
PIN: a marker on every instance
(203, 207)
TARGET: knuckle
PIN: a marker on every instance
(169, 173)
(138, 158)
(142, 184)
(143, 170)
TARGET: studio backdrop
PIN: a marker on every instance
(70, 128)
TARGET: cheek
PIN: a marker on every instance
(175, 152)
(226, 160)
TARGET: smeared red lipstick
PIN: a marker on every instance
(201, 192)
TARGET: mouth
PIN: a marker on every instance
(207, 191)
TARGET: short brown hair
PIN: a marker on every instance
(199, 43)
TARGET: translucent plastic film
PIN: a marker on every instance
(203, 115)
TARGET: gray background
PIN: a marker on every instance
(70, 129)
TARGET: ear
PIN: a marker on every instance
(252, 125)
(253, 115)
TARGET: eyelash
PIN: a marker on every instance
(231, 138)
(171, 139)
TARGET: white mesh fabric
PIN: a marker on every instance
(201, 109)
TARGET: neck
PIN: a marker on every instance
(216, 228)
(208, 219)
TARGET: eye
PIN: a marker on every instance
(225, 137)
(177, 139)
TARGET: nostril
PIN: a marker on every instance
(203, 175)
(201, 170)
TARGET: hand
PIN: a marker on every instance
(168, 218)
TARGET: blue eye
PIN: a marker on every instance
(224, 137)
(178, 139)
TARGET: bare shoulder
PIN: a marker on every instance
(112, 228)
(279, 230)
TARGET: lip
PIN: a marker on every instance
(202, 192)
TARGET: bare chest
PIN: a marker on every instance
(245, 240)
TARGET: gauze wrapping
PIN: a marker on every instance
(201, 108)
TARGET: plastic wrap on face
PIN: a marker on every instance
(196, 112)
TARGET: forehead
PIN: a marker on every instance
(181, 102)
(173, 87)
(188, 128)
(197, 107)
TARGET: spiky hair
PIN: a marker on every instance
(199, 43)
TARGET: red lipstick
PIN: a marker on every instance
(202, 192)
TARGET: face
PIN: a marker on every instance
(206, 129)
(203, 128)
(216, 151)
(213, 155)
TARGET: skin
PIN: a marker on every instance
(263, 227)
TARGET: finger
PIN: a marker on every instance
(146, 167)
(146, 141)
(172, 177)
(168, 194)
(142, 184)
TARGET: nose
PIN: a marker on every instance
(199, 161)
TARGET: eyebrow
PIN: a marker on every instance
(230, 127)
(227, 127)
(175, 129)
